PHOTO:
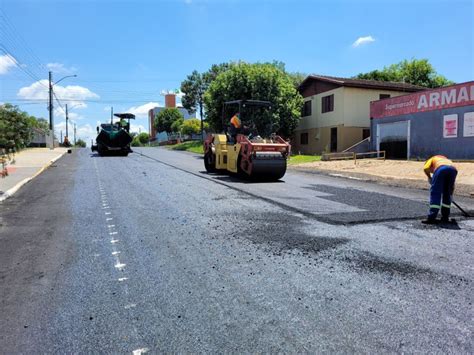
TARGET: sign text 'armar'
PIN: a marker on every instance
(428, 100)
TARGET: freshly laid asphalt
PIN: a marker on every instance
(149, 252)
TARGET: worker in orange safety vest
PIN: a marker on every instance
(234, 128)
(441, 175)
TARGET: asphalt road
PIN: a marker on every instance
(148, 252)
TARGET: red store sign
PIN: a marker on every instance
(429, 100)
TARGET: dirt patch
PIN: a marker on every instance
(391, 172)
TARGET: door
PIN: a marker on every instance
(394, 139)
(334, 139)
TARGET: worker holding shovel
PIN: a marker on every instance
(441, 175)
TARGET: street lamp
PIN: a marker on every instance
(51, 117)
(67, 124)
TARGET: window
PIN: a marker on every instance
(327, 103)
(306, 109)
(304, 138)
(384, 96)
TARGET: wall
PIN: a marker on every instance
(357, 104)
(426, 134)
(319, 139)
(318, 119)
(350, 115)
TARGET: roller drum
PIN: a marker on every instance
(268, 166)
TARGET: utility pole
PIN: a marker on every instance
(67, 118)
(51, 118)
(74, 134)
(111, 114)
(61, 136)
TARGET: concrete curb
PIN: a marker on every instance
(14, 189)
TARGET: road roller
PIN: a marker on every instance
(114, 138)
(241, 150)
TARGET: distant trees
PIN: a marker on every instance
(195, 86)
(176, 126)
(165, 119)
(140, 139)
(416, 71)
(80, 143)
(16, 127)
(192, 126)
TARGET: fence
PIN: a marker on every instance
(354, 156)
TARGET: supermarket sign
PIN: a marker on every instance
(428, 100)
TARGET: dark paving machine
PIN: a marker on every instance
(114, 138)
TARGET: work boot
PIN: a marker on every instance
(445, 219)
(429, 221)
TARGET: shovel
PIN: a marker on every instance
(463, 212)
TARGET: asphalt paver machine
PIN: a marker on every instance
(114, 138)
(244, 151)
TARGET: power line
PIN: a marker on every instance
(59, 103)
(13, 35)
(19, 66)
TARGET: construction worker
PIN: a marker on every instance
(234, 129)
(441, 175)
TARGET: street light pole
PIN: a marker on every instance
(67, 118)
(51, 107)
(51, 118)
(74, 134)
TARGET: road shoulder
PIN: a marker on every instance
(36, 247)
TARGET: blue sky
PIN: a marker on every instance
(126, 52)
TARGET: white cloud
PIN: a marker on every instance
(187, 2)
(59, 68)
(73, 95)
(85, 132)
(6, 63)
(73, 116)
(363, 40)
(142, 111)
(136, 128)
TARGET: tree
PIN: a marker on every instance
(80, 143)
(258, 82)
(192, 126)
(140, 139)
(40, 123)
(297, 78)
(165, 118)
(416, 71)
(194, 88)
(196, 85)
(176, 126)
(15, 127)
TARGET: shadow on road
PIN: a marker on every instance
(234, 178)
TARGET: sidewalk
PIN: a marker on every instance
(28, 164)
(390, 172)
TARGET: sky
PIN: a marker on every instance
(126, 53)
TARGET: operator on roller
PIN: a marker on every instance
(441, 175)
(234, 129)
